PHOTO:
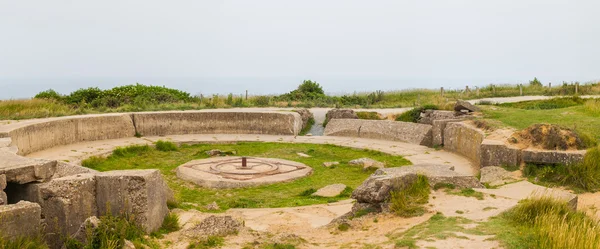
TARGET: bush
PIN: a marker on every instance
(86, 95)
(261, 100)
(412, 115)
(112, 231)
(535, 83)
(408, 199)
(165, 146)
(49, 94)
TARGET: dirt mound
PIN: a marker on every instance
(548, 137)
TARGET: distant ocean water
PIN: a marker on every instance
(27, 88)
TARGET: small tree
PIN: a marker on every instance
(535, 82)
(309, 86)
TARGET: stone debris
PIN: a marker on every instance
(303, 155)
(128, 245)
(329, 164)
(376, 189)
(495, 176)
(214, 226)
(23, 170)
(213, 206)
(216, 152)
(462, 105)
(332, 190)
(367, 163)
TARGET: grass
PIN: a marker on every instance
(581, 177)
(554, 103)
(467, 192)
(583, 118)
(555, 225)
(437, 227)
(170, 224)
(165, 146)
(275, 195)
(368, 115)
(111, 233)
(408, 198)
(35, 242)
(209, 242)
(343, 227)
(306, 129)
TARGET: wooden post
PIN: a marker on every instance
(521, 89)
(466, 89)
(576, 87)
(442, 92)
(246, 94)
(201, 97)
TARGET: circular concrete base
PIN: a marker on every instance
(239, 172)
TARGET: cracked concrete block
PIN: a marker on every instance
(67, 203)
(21, 219)
(140, 193)
(2, 182)
(553, 157)
(21, 170)
(496, 153)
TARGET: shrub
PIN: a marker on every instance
(535, 82)
(112, 231)
(412, 115)
(306, 129)
(165, 146)
(261, 100)
(49, 94)
(407, 199)
(86, 95)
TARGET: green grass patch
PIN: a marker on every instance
(309, 125)
(209, 242)
(35, 242)
(467, 192)
(408, 198)
(275, 195)
(368, 115)
(547, 104)
(165, 146)
(170, 224)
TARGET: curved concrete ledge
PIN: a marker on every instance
(217, 122)
(39, 134)
(464, 139)
(381, 129)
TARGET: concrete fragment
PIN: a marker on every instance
(462, 105)
(496, 153)
(437, 130)
(213, 206)
(552, 157)
(303, 155)
(525, 189)
(3, 198)
(495, 176)
(2, 182)
(23, 170)
(20, 220)
(214, 226)
(67, 169)
(329, 164)
(367, 163)
(376, 189)
(428, 116)
(67, 203)
(332, 190)
(140, 193)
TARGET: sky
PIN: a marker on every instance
(270, 46)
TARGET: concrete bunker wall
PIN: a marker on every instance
(36, 135)
(463, 139)
(381, 129)
(213, 122)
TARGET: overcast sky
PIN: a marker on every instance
(269, 46)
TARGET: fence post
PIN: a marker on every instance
(201, 97)
(246, 94)
(442, 91)
(576, 87)
(494, 90)
(521, 89)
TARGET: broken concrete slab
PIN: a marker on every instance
(496, 153)
(462, 105)
(67, 203)
(495, 176)
(330, 164)
(437, 130)
(332, 190)
(380, 129)
(524, 189)
(2, 182)
(552, 156)
(23, 170)
(367, 163)
(377, 188)
(67, 169)
(20, 220)
(140, 193)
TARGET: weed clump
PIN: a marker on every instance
(408, 199)
(132, 150)
(414, 114)
(209, 242)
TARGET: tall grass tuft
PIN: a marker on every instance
(408, 198)
(35, 242)
(555, 225)
(132, 150)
